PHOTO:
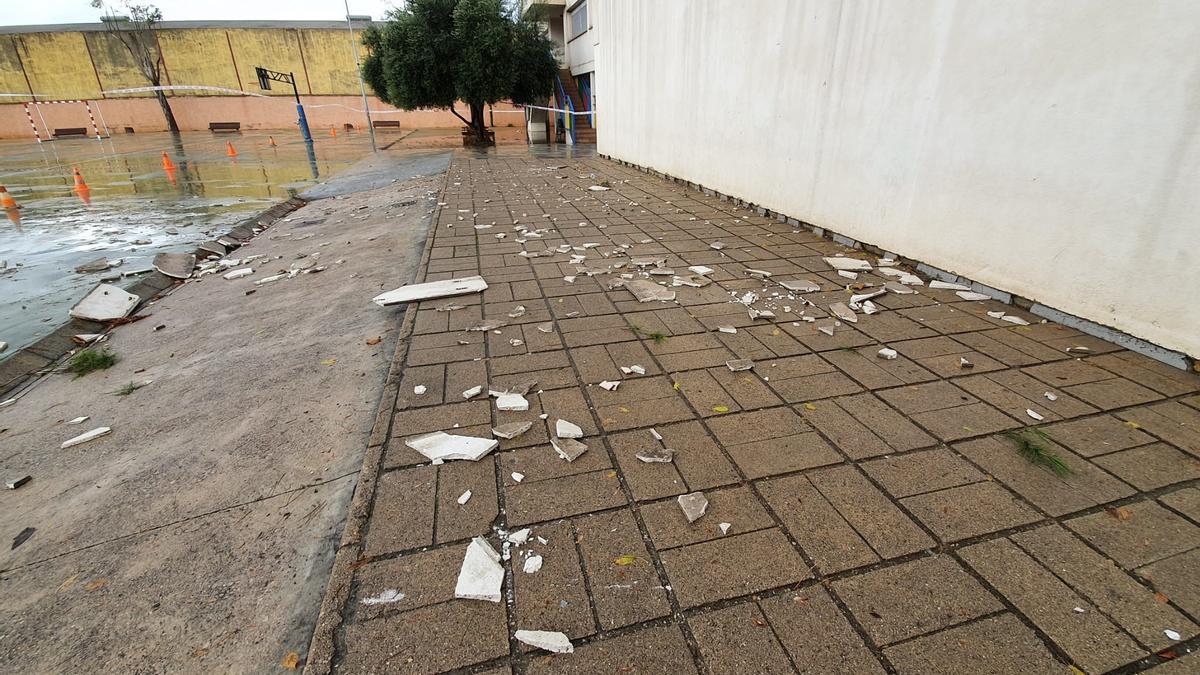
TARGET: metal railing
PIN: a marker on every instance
(566, 103)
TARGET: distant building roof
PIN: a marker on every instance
(98, 26)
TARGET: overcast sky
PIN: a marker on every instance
(80, 11)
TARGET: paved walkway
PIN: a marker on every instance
(865, 515)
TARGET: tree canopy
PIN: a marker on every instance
(432, 53)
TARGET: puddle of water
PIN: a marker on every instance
(131, 197)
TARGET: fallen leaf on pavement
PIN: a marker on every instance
(625, 560)
(290, 661)
(374, 340)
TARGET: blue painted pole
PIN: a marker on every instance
(303, 123)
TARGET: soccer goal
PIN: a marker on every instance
(51, 134)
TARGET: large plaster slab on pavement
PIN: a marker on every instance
(251, 396)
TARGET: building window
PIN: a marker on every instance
(579, 20)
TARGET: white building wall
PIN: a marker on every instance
(581, 50)
(1049, 149)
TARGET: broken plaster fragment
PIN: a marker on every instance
(568, 448)
(947, 286)
(484, 326)
(565, 429)
(419, 390)
(519, 537)
(464, 497)
(547, 327)
(430, 290)
(800, 286)
(972, 295)
(532, 564)
(511, 429)
(440, 445)
(1033, 414)
(725, 527)
(481, 574)
(610, 385)
(473, 391)
(551, 641)
(85, 437)
(841, 311)
(648, 291)
(79, 420)
(737, 365)
(517, 312)
(1014, 319)
(512, 402)
(887, 353)
(1050, 397)
(851, 264)
(847, 274)
(726, 329)
(717, 245)
(694, 505)
(656, 455)
(518, 477)
(964, 363)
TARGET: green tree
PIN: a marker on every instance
(139, 33)
(432, 53)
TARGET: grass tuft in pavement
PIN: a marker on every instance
(1032, 443)
(89, 360)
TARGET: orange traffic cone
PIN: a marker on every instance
(333, 131)
(167, 163)
(229, 149)
(6, 199)
(271, 140)
(171, 174)
(81, 188)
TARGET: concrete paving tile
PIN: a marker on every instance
(561, 497)
(848, 434)
(1147, 372)
(1185, 501)
(737, 640)
(1098, 435)
(1114, 393)
(888, 531)
(1149, 533)
(555, 597)
(1014, 393)
(919, 472)
(415, 422)
(529, 340)
(943, 318)
(919, 398)
(1068, 373)
(414, 642)
(603, 362)
(623, 594)
(462, 376)
(669, 321)
(1088, 637)
(528, 363)
(649, 650)
(893, 326)
(541, 462)
(1095, 344)
(433, 378)
(844, 337)
(1150, 467)
(952, 424)
(1176, 578)
(568, 404)
(1179, 666)
(745, 387)
(872, 372)
(669, 528)
(640, 402)
(940, 355)
(459, 521)
(421, 357)
(421, 577)
(996, 645)
(1176, 424)
(1086, 486)
(1131, 605)
(816, 634)
(773, 341)
(733, 566)
(704, 393)
(823, 533)
(782, 454)
(805, 378)
(967, 511)
(914, 598)
(1009, 347)
(586, 304)
(688, 352)
(1193, 401)
(402, 516)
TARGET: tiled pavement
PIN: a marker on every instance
(880, 520)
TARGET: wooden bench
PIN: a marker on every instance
(385, 124)
(70, 131)
(225, 127)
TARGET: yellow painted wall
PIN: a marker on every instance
(272, 49)
(198, 56)
(58, 65)
(113, 62)
(330, 61)
(12, 80)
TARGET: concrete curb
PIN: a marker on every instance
(28, 363)
(1145, 347)
(323, 646)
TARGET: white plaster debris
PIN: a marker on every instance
(841, 311)
(3, 346)
(654, 432)
(87, 436)
(267, 280)
(898, 289)
(637, 370)
(568, 448)
(800, 286)
(737, 365)
(869, 308)
(964, 363)
(519, 537)
(481, 574)
(517, 312)
(859, 298)
(906, 278)
(1014, 319)
(79, 420)
(656, 455)
(532, 564)
(473, 391)
(385, 598)
(847, 274)
(700, 269)
(848, 264)
(238, 273)
(420, 390)
(551, 641)
(1034, 414)
(1173, 635)
(105, 302)
(464, 497)
(610, 385)
(440, 445)
(565, 429)
(518, 477)
(947, 286)
(648, 291)
(972, 295)
(512, 402)
(694, 505)
(725, 527)
(7, 402)
(1050, 397)
(599, 188)
(887, 353)
(717, 245)
(432, 289)
(511, 429)
(726, 329)
(826, 329)
(995, 315)
(547, 327)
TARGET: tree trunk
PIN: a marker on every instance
(172, 125)
(478, 124)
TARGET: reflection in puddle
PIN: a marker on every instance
(130, 197)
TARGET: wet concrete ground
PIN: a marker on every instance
(865, 515)
(198, 535)
(132, 198)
